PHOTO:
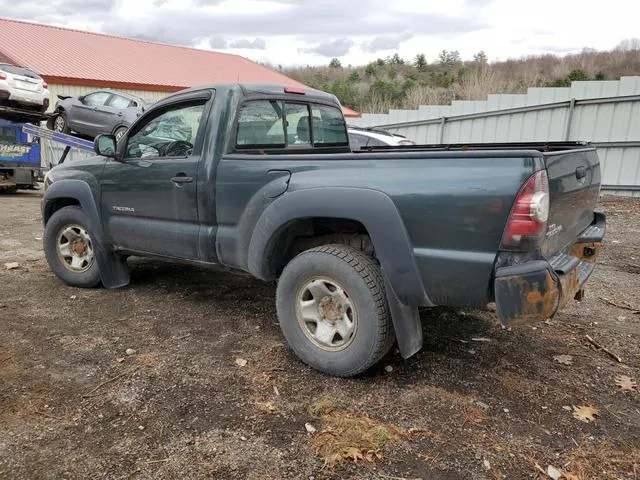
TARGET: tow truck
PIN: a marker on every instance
(21, 147)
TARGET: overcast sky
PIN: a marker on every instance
(300, 32)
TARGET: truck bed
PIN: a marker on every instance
(510, 146)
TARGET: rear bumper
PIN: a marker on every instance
(25, 97)
(537, 289)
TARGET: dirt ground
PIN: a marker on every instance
(477, 402)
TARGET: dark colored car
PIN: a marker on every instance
(266, 183)
(98, 112)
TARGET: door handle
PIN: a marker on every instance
(182, 178)
(581, 172)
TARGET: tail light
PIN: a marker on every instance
(527, 222)
(3, 76)
(45, 85)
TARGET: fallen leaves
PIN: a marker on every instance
(354, 454)
(268, 407)
(551, 471)
(241, 362)
(585, 413)
(348, 436)
(626, 384)
(564, 359)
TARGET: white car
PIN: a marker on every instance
(369, 137)
(23, 88)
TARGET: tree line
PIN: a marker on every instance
(395, 82)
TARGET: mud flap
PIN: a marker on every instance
(114, 271)
(406, 323)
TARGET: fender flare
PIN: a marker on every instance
(391, 242)
(113, 268)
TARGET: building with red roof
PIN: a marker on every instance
(75, 62)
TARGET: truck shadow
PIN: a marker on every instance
(467, 342)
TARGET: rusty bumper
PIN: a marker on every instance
(536, 290)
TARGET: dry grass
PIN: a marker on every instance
(267, 407)
(424, 95)
(604, 460)
(349, 436)
(478, 83)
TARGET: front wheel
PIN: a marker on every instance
(119, 132)
(69, 250)
(333, 311)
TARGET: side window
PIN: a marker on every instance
(298, 124)
(7, 134)
(96, 99)
(357, 141)
(119, 102)
(260, 124)
(329, 128)
(170, 134)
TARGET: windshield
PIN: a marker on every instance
(25, 72)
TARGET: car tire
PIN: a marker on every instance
(68, 248)
(60, 123)
(119, 132)
(333, 311)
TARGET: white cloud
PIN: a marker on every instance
(310, 31)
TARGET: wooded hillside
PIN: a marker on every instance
(394, 82)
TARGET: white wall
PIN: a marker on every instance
(604, 122)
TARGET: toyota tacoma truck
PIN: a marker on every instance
(263, 181)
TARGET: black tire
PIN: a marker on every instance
(63, 126)
(119, 131)
(361, 279)
(60, 221)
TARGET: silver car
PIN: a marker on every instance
(22, 88)
(102, 111)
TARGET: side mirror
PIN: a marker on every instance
(105, 145)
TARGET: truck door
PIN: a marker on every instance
(149, 198)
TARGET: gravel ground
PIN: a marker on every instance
(476, 403)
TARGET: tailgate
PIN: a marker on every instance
(574, 187)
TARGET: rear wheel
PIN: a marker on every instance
(69, 250)
(60, 123)
(333, 311)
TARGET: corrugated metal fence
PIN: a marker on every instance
(606, 113)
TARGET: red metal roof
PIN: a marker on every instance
(67, 56)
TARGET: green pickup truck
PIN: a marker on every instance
(261, 178)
